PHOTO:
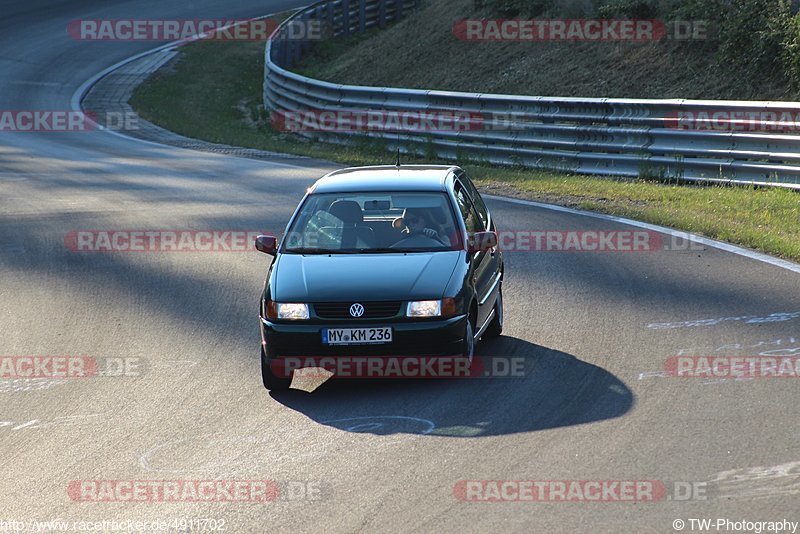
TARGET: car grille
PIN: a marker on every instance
(372, 310)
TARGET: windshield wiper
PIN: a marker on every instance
(377, 250)
(310, 250)
(382, 250)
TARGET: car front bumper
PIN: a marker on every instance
(443, 337)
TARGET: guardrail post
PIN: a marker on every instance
(362, 15)
(381, 14)
(398, 9)
(345, 17)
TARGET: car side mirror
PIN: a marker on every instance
(268, 244)
(482, 241)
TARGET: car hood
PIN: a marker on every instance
(323, 278)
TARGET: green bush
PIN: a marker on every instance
(758, 40)
(791, 51)
(754, 40)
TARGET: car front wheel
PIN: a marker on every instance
(271, 380)
(468, 347)
(495, 328)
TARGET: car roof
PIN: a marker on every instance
(385, 178)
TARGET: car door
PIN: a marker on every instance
(486, 218)
(482, 264)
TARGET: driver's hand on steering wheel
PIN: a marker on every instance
(429, 232)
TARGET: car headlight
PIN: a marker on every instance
(424, 308)
(431, 308)
(287, 310)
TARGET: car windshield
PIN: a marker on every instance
(375, 223)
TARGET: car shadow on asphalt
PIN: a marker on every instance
(554, 390)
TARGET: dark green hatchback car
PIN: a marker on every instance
(382, 261)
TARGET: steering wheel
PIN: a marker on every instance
(416, 236)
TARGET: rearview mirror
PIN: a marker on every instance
(268, 244)
(482, 241)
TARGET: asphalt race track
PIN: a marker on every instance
(593, 404)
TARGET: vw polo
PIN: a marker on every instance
(382, 261)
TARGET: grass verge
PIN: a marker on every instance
(212, 91)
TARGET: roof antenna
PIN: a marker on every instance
(397, 163)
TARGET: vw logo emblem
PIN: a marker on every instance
(356, 310)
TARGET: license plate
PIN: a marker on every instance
(356, 336)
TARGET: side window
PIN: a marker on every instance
(471, 219)
(480, 207)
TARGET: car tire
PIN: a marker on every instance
(495, 328)
(272, 381)
(468, 346)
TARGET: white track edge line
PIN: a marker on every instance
(727, 247)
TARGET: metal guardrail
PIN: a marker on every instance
(605, 136)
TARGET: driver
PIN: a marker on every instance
(417, 222)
